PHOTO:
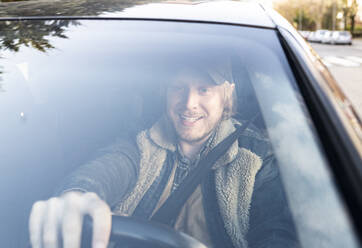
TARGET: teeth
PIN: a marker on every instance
(188, 118)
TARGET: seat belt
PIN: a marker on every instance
(171, 208)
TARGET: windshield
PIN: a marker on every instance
(70, 89)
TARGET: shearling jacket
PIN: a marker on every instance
(242, 190)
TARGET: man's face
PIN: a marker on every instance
(194, 105)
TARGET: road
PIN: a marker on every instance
(345, 64)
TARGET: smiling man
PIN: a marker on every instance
(195, 106)
(239, 203)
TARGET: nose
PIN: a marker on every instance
(191, 99)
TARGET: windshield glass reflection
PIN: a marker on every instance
(74, 88)
(35, 34)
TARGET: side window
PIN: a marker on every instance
(319, 214)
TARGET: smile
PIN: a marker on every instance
(189, 119)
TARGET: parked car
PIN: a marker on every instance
(317, 36)
(78, 75)
(337, 37)
(327, 37)
(341, 37)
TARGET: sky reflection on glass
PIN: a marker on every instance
(87, 84)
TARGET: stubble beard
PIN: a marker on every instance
(193, 136)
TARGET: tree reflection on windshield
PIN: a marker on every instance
(36, 33)
(32, 33)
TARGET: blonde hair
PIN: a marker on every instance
(230, 100)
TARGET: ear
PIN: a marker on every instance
(229, 89)
(232, 88)
(228, 99)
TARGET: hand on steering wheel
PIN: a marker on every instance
(59, 221)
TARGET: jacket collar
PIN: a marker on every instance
(163, 135)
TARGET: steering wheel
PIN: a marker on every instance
(135, 233)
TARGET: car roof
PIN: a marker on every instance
(233, 12)
(217, 11)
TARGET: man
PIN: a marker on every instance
(236, 204)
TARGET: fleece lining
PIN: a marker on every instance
(235, 175)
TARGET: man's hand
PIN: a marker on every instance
(62, 217)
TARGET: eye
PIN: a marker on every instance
(205, 91)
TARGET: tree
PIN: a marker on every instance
(352, 14)
(304, 22)
(329, 16)
(350, 9)
(313, 10)
(316, 9)
(345, 9)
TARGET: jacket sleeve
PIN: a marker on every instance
(111, 176)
